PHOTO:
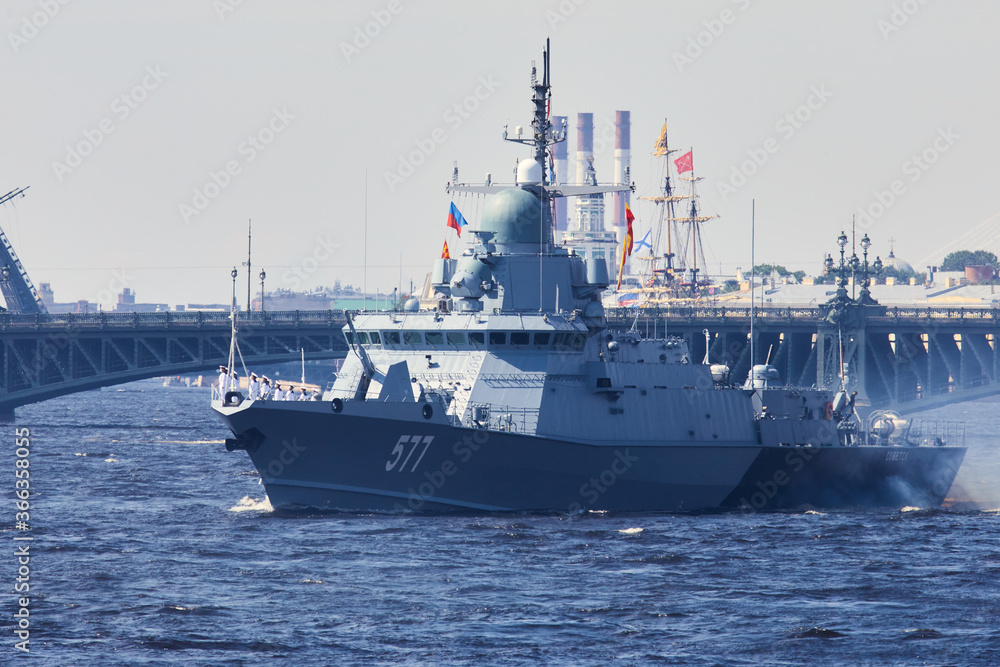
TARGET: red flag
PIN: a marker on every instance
(685, 162)
(627, 243)
(444, 251)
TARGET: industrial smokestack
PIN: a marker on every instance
(561, 158)
(623, 159)
(584, 145)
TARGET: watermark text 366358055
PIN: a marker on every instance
(22, 546)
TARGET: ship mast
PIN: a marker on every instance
(543, 136)
(693, 235)
(665, 214)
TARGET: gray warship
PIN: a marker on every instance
(513, 395)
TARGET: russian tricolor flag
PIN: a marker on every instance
(455, 219)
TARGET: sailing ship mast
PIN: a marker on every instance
(685, 253)
(663, 277)
(693, 236)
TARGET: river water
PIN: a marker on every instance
(152, 545)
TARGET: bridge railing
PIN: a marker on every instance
(169, 319)
(788, 313)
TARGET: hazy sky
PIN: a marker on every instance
(117, 114)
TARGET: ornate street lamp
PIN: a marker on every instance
(842, 282)
(234, 274)
(262, 276)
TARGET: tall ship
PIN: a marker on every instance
(674, 266)
(512, 394)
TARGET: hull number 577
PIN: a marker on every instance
(407, 445)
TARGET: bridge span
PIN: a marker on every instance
(45, 356)
(902, 358)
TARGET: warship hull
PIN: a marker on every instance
(395, 459)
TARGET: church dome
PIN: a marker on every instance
(896, 263)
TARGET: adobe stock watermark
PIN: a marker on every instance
(704, 39)
(453, 117)
(121, 108)
(224, 7)
(592, 490)
(437, 477)
(562, 13)
(289, 454)
(364, 34)
(109, 293)
(899, 17)
(322, 252)
(22, 539)
(914, 168)
(32, 25)
(247, 151)
(786, 126)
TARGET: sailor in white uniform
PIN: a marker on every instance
(253, 387)
(265, 389)
(223, 380)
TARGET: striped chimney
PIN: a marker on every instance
(623, 158)
(584, 144)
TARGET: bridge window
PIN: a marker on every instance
(434, 337)
(413, 338)
(520, 338)
(350, 337)
(456, 338)
(391, 337)
(543, 338)
(363, 337)
(498, 338)
(374, 337)
(477, 338)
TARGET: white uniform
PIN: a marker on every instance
(223, 383)
(265, 391)
(253, 388)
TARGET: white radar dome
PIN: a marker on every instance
(529, 172)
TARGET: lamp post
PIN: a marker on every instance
(262, 276)
(866, 296)
(842, 282)
(234, 274)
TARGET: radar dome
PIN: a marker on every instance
(529, 172)
(515, 216)
(411, 305)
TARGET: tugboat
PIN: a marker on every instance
(513, 395)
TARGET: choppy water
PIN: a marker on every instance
(153, 546)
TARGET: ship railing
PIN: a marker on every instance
(935, 432)
(500, 418)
